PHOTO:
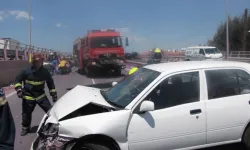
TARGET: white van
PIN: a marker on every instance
(202, 53)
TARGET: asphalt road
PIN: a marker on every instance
(62, 83)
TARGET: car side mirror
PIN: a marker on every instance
(114, 83)
(147, 106)
(126, 41)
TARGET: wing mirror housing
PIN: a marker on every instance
(126, 41)
(147, 106)
(114, 83)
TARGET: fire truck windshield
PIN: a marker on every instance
(106, 42)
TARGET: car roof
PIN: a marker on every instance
(201, 47)
(192, 65)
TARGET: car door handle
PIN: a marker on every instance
(195, 111)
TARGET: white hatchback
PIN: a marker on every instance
(180, 105)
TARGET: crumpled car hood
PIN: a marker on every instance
(77, 98)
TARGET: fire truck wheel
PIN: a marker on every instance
(118, 71)
(88, 72)
(81, 71)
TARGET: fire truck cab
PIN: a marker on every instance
(101, 50)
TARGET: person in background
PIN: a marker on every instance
(54, 64)
(157, 56)
(32, 92)
(7, 125)
(62, 66)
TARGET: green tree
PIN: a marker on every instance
(236, 34)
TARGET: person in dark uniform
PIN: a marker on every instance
(7, 125)
(32, 92)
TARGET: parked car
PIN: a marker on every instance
(179, 105)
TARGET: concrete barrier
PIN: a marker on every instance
(10, 69)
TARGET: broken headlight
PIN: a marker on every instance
(49, 130)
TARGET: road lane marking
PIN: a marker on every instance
(11, 94)
(93, 81)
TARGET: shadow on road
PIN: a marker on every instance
(33, 129)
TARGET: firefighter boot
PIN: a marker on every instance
(25, 131)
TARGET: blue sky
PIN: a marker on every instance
(165, 23)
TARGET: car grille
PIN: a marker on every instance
(107, 55)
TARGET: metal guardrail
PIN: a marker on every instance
(243, 56)
(14, 58)
(14, 50)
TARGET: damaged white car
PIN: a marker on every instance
(181, 105)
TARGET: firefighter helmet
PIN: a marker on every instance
(37, 57)
(133, 70)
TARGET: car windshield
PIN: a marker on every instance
(106, 42)
(212, 51)
(125, 91)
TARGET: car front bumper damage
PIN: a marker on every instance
(49, 139)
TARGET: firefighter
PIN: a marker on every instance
(32, 92)
(62, 66)
(157, 55)
(7, 125)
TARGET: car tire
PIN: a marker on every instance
(92, 146)
(246, 138)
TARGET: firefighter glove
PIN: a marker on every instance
(19, 93)
(54, 98)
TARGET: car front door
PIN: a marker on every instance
(178, 120)
(228, 109)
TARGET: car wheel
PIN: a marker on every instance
(92, 146)
(246, 138)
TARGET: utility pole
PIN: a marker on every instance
(29, 29)
(227, 41)
(245, 29)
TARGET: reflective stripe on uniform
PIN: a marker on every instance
(34, 82)
(2, 100)
(17, 85)
(32, 98)
(133, 70)
(53, 90)
(30, 58)
(157, 50)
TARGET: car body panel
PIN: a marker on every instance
(77, 98)
(163, 129)
(113, 124)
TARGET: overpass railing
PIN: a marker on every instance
(14, 58)
(243, 56)
(14, 50)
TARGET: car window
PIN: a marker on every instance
(227, 82)
(176, 90)
(201, 52)
(125, 91)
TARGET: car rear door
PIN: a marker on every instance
(227, 103)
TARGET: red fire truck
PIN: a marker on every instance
(101, 50)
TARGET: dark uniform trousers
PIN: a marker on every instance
(28, 107)
(7, 125)
(33, 91)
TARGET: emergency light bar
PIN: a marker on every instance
(101, 30)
